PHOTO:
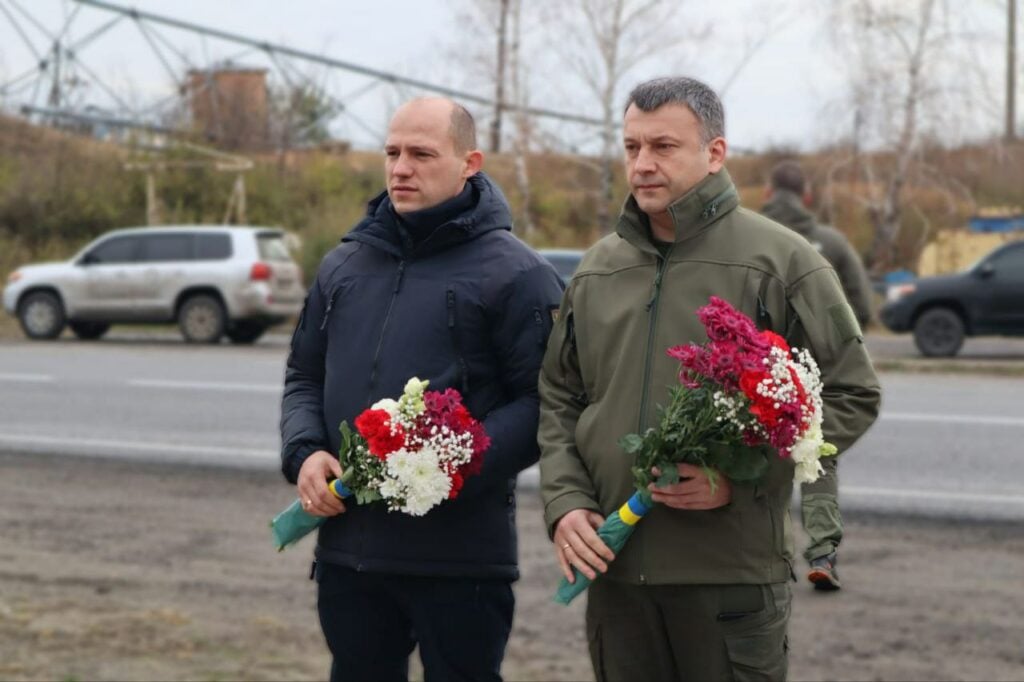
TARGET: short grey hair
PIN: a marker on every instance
(695, 95)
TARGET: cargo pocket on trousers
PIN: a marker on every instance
(756, 643)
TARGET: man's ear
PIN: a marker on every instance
(716, 154)
(472, 164)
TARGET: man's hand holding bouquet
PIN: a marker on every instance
(412, 453)
(742, 397)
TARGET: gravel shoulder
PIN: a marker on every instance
(120, 570)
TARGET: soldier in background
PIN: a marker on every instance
(788, 197)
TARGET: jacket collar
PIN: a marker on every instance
(692, 213)
(788, 208)
(382, 229)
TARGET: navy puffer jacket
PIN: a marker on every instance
(470, 307)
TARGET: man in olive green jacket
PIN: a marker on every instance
(819, 501)
(701, 590)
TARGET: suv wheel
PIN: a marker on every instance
(246, 332)
(88, 331)
(201, 319)
(939, 332)
(41, 314)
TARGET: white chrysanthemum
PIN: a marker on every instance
(388, 405)
(806, 452)
(807, 472)
(417, 482)
(390, 489)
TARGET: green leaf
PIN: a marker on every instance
(669, 474)
(346, 441)
(712, 478)
(631, 443)
(367, 496)
(746, 465)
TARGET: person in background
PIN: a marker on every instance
(789, 195)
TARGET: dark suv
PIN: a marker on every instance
(986, 299)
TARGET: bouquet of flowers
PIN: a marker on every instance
(412, 453)
(741, 395)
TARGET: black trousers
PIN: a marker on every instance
(372, 622)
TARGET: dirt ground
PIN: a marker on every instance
(127, 571)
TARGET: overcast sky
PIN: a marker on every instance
(788, 94)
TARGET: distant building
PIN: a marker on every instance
(229, 106)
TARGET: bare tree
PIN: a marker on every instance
(501, 58)
(521, 141)
(606, 41)
(501, 68)
(900, 88)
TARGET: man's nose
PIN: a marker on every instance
(644, 162)
(402, 167)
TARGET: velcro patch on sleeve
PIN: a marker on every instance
(844, 321)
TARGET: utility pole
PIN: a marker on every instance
(1011, 70)
(499, 78)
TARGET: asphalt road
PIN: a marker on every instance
(944, 445)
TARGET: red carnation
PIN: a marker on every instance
(457, 482)
(381, 437)
(775, 340)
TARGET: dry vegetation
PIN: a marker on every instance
(58, 190)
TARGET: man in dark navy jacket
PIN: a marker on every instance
(432, 284)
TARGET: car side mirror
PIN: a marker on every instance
(986, 270)
(88, 259)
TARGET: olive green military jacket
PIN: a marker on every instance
(606, 370)
(787, 208)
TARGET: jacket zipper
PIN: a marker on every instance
(384, 327)
(652, 309)
(454, 333)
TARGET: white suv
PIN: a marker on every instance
(210, 279)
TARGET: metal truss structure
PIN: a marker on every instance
(60, 87)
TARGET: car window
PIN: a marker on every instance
(272, 247)
(565, 264)
(216, 246)
(161, 248)
(115, 250)
(1009, 264)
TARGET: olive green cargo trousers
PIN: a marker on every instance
(688, 632)
(819, 511)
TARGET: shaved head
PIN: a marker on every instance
(461, 125)
(431, 151)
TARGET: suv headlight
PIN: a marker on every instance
(13, 277)
(898, 291)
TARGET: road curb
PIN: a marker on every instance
(946, 366)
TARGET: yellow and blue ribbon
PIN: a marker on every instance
(633, 510)
(614, 532)
(339, 489)
(295, 522)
